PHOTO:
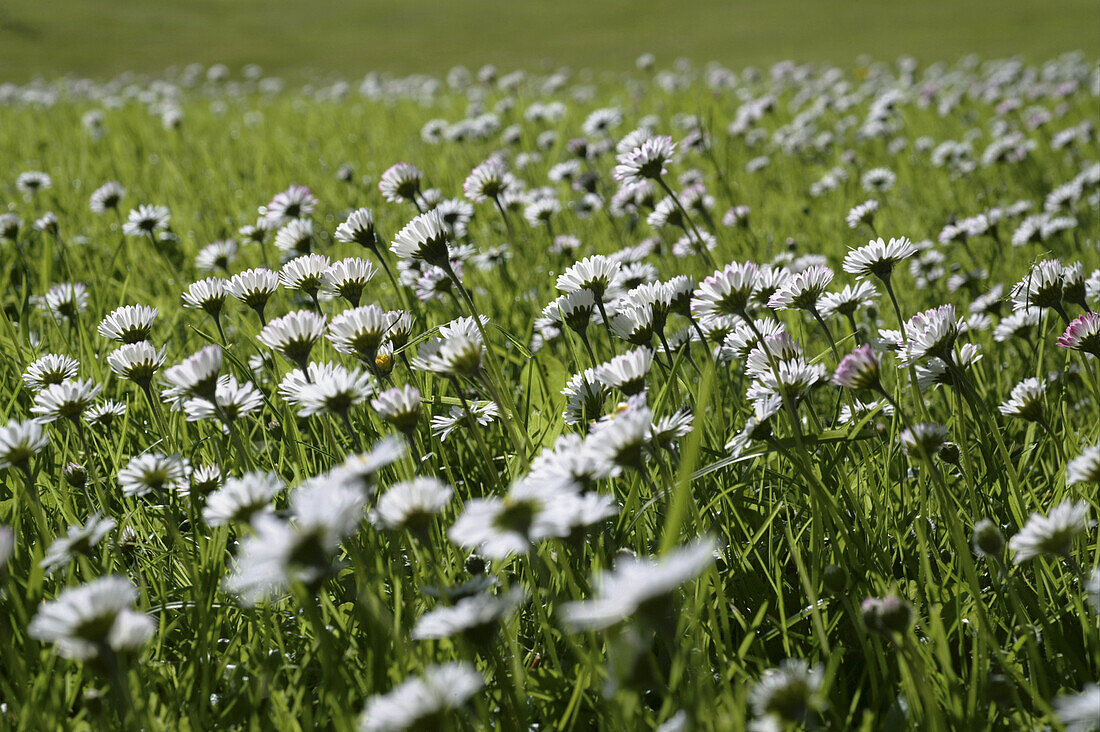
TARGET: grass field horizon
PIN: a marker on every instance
(303, 39)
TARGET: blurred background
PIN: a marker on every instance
(99, 38)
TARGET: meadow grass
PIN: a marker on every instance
(823, 505)
(348, 37)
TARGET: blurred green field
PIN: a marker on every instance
(352, 36)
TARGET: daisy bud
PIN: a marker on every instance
(949, 453)
(988, 540)
(887, 615)
(859, 370)
(835, 579)
(75, 474)
(383, 361)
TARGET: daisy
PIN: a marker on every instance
(107, 196)
(232, 401)
(280, 553)
(423, 702)
(411, 505)
(788, 693)
(348, 278)
(78, 540)
(474, 618)
(1051, 534)
(67, 400)
(500, 527)
(626, 372)
(239, 499)
(457, 351)
(305, 274)
(584, 396)
(864, 213)
(50, 369)
(65, 301)
(1026, 401)
(359, 331)
(208, 295)
(295, 238)
(20, 441)
(622, 438)
(1041, 288)
(1083, 334)
(483, 413)
(335, 390)
(205, 479)
(128, 324)
(362, 471)
(541, 210)
(33, 181)
(633, 325)
(595, 274)
(425, 237)
(1079, 712)
(487, 181)
(217, 255)
(858, 370)
(923, 439)
(878, 180)
(147, 221)
(727, 292)
(296, 202)
(137, 362)
(87, 620)
(195, 376)
(887, 615)
(103, 414)
(878, 258)
(646, 161)
(850, 299)
(1017, 324)
(359, 229)
(1085, 468)
(400, 406)
(400, 182)
(931, 334)
(155, 473)
(635, 585)
(802, 290)
(10, 224)
(254, 287)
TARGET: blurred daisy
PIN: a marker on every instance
(78, 540)
(1051, 534)
(1085, 468)
(86, 621)
(147, 221)
(411, 505)
(634, 585)
(20, 441)
(239, 499)
(423, 702)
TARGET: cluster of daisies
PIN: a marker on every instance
(313, 395)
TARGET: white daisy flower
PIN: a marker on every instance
(1051, 534)
(84, 621)
(633, 585)
(422, 702)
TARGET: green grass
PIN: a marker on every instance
(355, 36)
(992, 646)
